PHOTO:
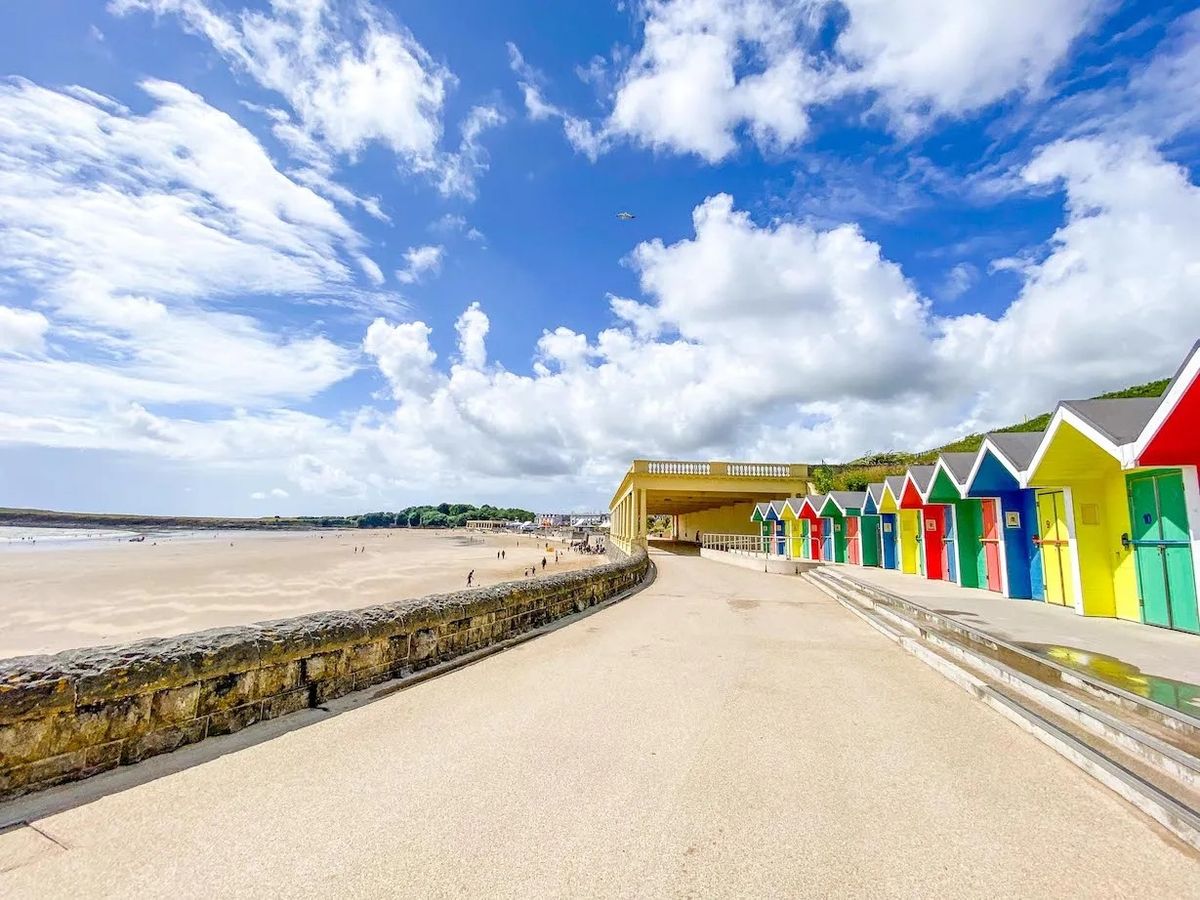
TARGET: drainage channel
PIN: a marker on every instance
(1159, 778)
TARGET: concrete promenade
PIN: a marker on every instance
(724, 733)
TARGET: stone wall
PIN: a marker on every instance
(80, 712)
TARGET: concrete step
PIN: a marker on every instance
(1103, 736)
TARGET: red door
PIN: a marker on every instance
(853, 542)
(991, 543)
(816, 538)
(933, 523)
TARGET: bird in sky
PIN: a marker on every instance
(625, 216)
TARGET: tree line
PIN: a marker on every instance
(443, 515)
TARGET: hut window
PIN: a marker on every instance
(1089, 513)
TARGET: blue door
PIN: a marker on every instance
(948, 535)
(827, 531)
(780, 539)
(887, 539)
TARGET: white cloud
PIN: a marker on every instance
(274, 493)
(472, 327)
(421, 261)
(136, 232)
(708, 69)
(925, 58)
(22, 331)
(352, 75)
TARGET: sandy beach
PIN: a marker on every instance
(59, 597)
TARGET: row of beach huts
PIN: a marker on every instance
(1099, 513)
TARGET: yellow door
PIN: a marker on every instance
(910, 530)
(1056, 548)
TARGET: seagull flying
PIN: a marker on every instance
(625, 216)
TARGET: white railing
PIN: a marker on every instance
(718, 469)
(736, 543)
(760, 470)
(674, 467)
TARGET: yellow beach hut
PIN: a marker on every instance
(908, 525)
(1078, 477)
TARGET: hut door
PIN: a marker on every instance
(853, 541)
(887, 539)
(1162, 550)
(933, 533)
(827, 531)
(991, 542)
(1056, 557)
(949, 547)
(816, 538)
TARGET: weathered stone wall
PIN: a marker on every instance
(80, 712)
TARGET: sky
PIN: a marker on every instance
(329, 256)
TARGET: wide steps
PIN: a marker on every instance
(1146, 752)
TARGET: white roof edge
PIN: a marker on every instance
(1188, 373)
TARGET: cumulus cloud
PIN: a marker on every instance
(708, 70)
(421, 261)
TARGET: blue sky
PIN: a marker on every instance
(334, 255)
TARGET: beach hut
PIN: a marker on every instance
(965, 550)
(1078, 475)
(859, 537)
(936, 522)
(885, 526)
(1164, 501)
(778, 535)
(808, 509)
(1012, 556)
(908, 526)
(765, 526)
(799, 546)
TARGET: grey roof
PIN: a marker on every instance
(896, 483)
(849, 499)
(921, 476)
(761, 509)
(1017, 447)
(777, 506)
(876, 490)
(816, 500)
(959, 464)
(1119, 420)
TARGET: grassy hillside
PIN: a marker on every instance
(858, 473)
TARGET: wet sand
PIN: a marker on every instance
(54, 599)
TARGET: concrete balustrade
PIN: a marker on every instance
(74, 714)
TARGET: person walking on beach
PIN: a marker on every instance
(543, 564)
(470, 577)
(503, 554)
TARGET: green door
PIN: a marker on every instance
(1162, 550)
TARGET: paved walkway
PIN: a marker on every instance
(1152, 662)
(725, 733)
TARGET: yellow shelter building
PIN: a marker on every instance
(701, 497)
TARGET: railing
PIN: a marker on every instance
(729, 469)
(672, 467)
(760, 470)
(736, 543)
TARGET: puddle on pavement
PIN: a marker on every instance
(1179, 695)
(742, 603)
